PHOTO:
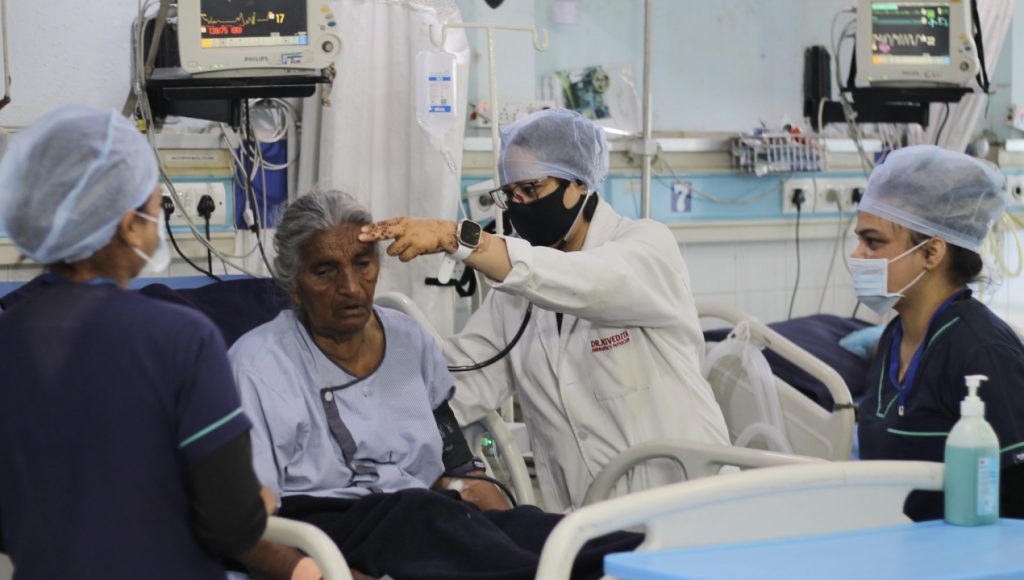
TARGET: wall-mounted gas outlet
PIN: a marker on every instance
(1015, 186)
(481, 206)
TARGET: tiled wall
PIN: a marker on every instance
(758, 278)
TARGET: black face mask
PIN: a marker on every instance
(545, 221)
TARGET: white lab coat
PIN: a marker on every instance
(624, 369)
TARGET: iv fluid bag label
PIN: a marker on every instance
(439, 87)
(436, 106)
(988, 493)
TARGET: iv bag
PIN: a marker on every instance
(435, 92)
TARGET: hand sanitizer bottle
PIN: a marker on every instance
(972, 463)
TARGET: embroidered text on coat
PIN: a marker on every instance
(599, 344)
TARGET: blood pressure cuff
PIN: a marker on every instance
(455, 451)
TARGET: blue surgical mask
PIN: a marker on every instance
(871, 281)
(161, 258)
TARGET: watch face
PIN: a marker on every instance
(469, 233)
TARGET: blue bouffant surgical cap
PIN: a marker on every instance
(938, 193)
(556, 143)
(66, 180)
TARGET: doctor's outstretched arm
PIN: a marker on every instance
(417, 236)
(638, 279)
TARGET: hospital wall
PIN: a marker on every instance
(722, 66)
(718, 66)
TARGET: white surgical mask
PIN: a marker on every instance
(871, 281)
(161, 258)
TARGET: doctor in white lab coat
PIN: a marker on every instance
(610, 356)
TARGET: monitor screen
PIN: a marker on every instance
(909, 34)
(252, 23)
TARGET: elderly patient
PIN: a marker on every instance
(352, 426)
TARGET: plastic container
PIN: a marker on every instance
(972, 463)
(435, 91)
(436, 102)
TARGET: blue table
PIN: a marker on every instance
(925, 550)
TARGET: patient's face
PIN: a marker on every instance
(337, 282)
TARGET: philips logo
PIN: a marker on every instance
(256, 59)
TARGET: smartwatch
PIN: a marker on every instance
(467, 234)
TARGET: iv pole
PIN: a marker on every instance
(538, 45)
(6, 97)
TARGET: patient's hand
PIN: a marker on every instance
(269, 500)
(306, 569)
(484, 494)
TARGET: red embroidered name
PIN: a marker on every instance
(599, 344)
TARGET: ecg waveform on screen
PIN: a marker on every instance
(236, 26)
(904, 39)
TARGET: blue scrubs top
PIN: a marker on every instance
(966, 338)
(106, 398)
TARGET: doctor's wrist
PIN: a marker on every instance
(451, 237)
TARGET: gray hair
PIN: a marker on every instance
(307, 216)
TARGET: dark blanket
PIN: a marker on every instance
(818, 335)
(234, 306)
(427, 535)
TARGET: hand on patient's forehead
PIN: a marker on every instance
(383, 230)
(413, 236)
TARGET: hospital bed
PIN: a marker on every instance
(814, 432)
(819, 426)
(697, 460)
(763, 504)
(305, 537)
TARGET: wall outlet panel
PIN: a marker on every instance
(821, 194)
(190, 192)
(789, 190)
(1015, 186)
(831, 189)
(508, 112)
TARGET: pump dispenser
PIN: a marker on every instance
(972, 463)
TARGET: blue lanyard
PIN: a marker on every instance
(915, 361)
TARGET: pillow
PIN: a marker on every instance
(863, 342)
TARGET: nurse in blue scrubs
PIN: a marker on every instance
(124, 451)
(923, 218)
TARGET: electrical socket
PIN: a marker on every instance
(789, 191)
(190, 192)
(833, 189)
(1015, 186)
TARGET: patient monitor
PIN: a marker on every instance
(256, 37)
(915, 43)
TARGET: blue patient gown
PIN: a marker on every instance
(357, 456)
